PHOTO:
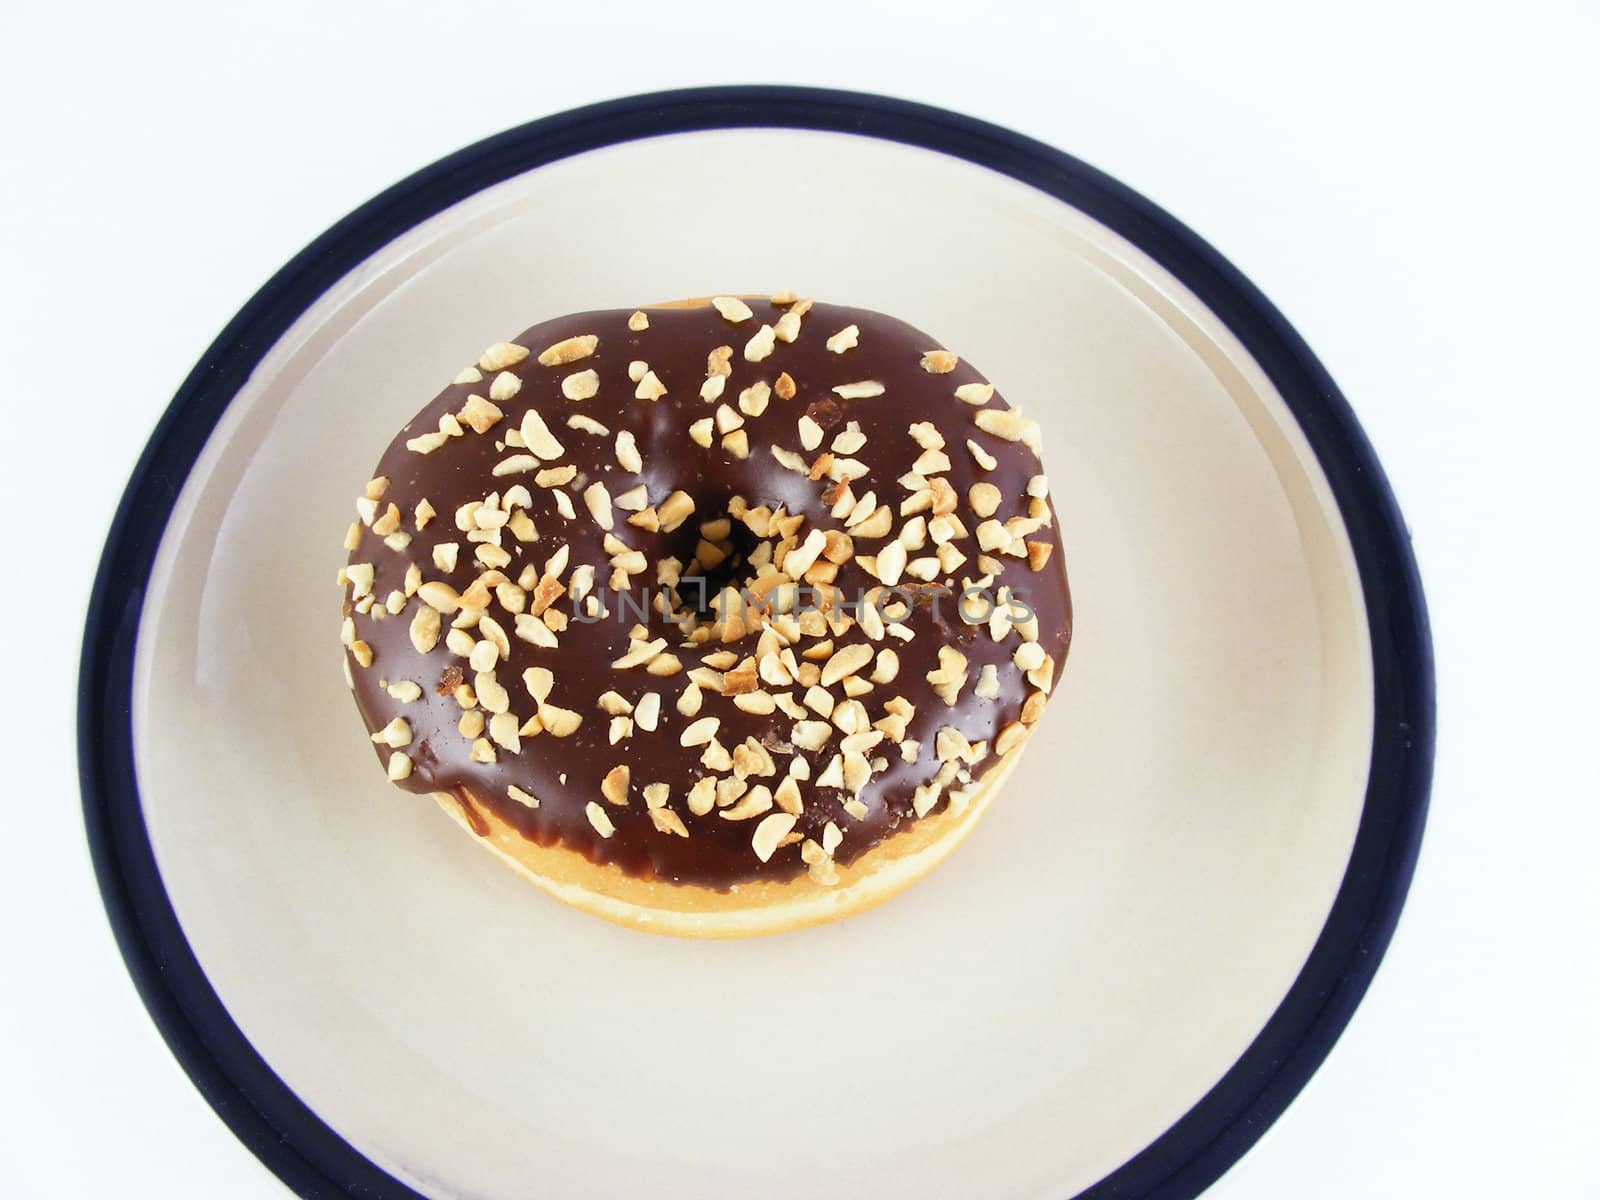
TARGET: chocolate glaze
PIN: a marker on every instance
(566, 773)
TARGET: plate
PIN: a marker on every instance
(1111, 989)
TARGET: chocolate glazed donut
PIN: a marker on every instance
(715, 618)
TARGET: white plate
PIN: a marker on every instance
(1100, 986)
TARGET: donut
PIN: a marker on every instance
(712, 618)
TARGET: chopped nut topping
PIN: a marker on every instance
(984, 499)
(638, 322)
(598, 818)
(939, 362)
(614, 787)
(480, 415)
(502, 355)
(988, 685)
(614, 703)
(445, 555)
(504, 386)
(862, 390)
(789, 459)
(846, 661)
(405, 691)
(583, 385)
(483, 656)
(522, 797)
(702, 432)
(876, 525)
(1033, 707)
(810, 433)
(395, 734)
(567, 350)
(992, 535)
(515, 464)
(551, 477)
(628, 453)
(536, 436)
(1009, 424)
(656, 795)
(598, 501)
(799, 560)
(975, 393)
(635, 499)
(399, 766)
(667, 821)
(360, 576)
(490, 693)
(758, 703)
(503, 732)
(641, 653)
(492, 556)
(1010, 738)
(650, 387)
(771, 831)
(891, 562)
(674, 510)
(754, 802)
(690, 699)
(811, 735)
(561, 722)
(784, 386)
(534, 631)
(702, 796)
(732, 308)
(981, 456)
(440, 595)
(753, 400)
(950, 676)
(700, 732)
(425, 629)
(850, 441)
(760, 346)
(648, 711)
(846, 339)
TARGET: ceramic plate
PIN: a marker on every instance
(1110, 990)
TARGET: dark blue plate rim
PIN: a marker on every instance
(265, 1114)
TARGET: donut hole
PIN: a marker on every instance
(721, 575)
(731, 570)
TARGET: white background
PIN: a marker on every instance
(1414, 185)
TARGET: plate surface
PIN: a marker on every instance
(1118, 981)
